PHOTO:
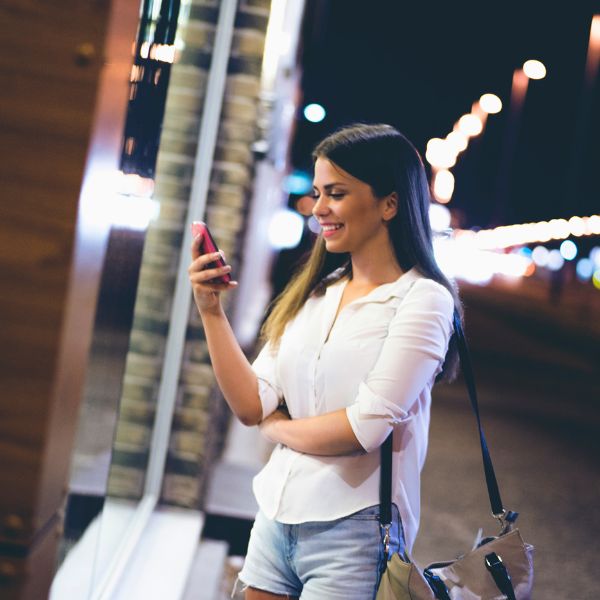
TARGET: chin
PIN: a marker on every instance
(335, 248)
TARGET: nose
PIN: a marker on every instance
(320, 206)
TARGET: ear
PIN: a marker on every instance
(390, 206)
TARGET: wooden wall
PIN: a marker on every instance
(65, 69)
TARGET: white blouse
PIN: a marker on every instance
(379, 362)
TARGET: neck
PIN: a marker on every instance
(375, 266)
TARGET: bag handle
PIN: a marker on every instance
(385, 482)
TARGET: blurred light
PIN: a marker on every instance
(304, 205)
(443, 185)
(534, 69)
(161, 52)
(506, 236)
(457, 257)
(458, 141)
(596, 279)
(568, 250)
(130, 212)
(595, 256)
(440, 154)
(555, 260)
(595, 30)
(511, 265)
(276, 41)
(285, 229)
(313, 225)
(593, 224)
(525, 252)
(584, 269)
(297, 182)
(470, 125)
(490, 103)
(577, 226)
(559, 229)
(130, 184)
(540, 256)
(314, 113)
(439, 217)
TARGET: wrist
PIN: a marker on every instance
(207, 314)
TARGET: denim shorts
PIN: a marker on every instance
(320, 560)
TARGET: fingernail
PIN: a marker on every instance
(233, 282)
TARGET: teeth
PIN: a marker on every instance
(330, 227)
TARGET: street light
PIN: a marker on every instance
(534, 69)
(490, 103)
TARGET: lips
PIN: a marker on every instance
(330, 229)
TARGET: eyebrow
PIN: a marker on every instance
(328, 186)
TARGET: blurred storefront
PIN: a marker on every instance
(110, 447)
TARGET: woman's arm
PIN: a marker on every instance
(236, 379)
(233, 372)
(326, 435)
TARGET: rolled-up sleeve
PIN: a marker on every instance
(412, 354)
(269, 389)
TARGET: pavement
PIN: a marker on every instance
(537, 369)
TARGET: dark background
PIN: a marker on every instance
(421, 66)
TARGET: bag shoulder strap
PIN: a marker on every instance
(385, 482)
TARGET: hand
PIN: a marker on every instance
(269, 426)
(207, 293)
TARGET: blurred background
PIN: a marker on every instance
(124, 474)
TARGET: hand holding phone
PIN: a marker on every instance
(208, 246)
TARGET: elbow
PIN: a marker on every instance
(250, 418)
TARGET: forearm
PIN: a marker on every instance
(326, 435)
(233, 372)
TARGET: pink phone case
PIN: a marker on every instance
(207, 246)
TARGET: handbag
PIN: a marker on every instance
(498, 567)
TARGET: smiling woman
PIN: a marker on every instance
(353, 347)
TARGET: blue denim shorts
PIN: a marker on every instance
(321, 560)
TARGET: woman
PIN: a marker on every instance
(353, 346)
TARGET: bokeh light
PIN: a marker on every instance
(439, 217)
(440, 154)
(568, 250)
(314, 113)
(534, 69)
(540, 256)
(490, 103)
(285, 229)
(555, 260)
(470, 125)
(443, 185)
(584, 269)
(458, 141)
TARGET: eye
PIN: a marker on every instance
(337, 195)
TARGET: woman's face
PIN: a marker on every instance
(350, 215)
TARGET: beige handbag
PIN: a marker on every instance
(498, 567)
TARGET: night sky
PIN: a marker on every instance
(420, 67)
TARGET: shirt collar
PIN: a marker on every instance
(382, 292)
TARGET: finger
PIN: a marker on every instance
(202, 260)
(216, 272)
(214, 287)
(196, 246)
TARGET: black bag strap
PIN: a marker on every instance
(385, 482)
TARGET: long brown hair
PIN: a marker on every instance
(382, 157)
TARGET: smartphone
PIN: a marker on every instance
(207, 246)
